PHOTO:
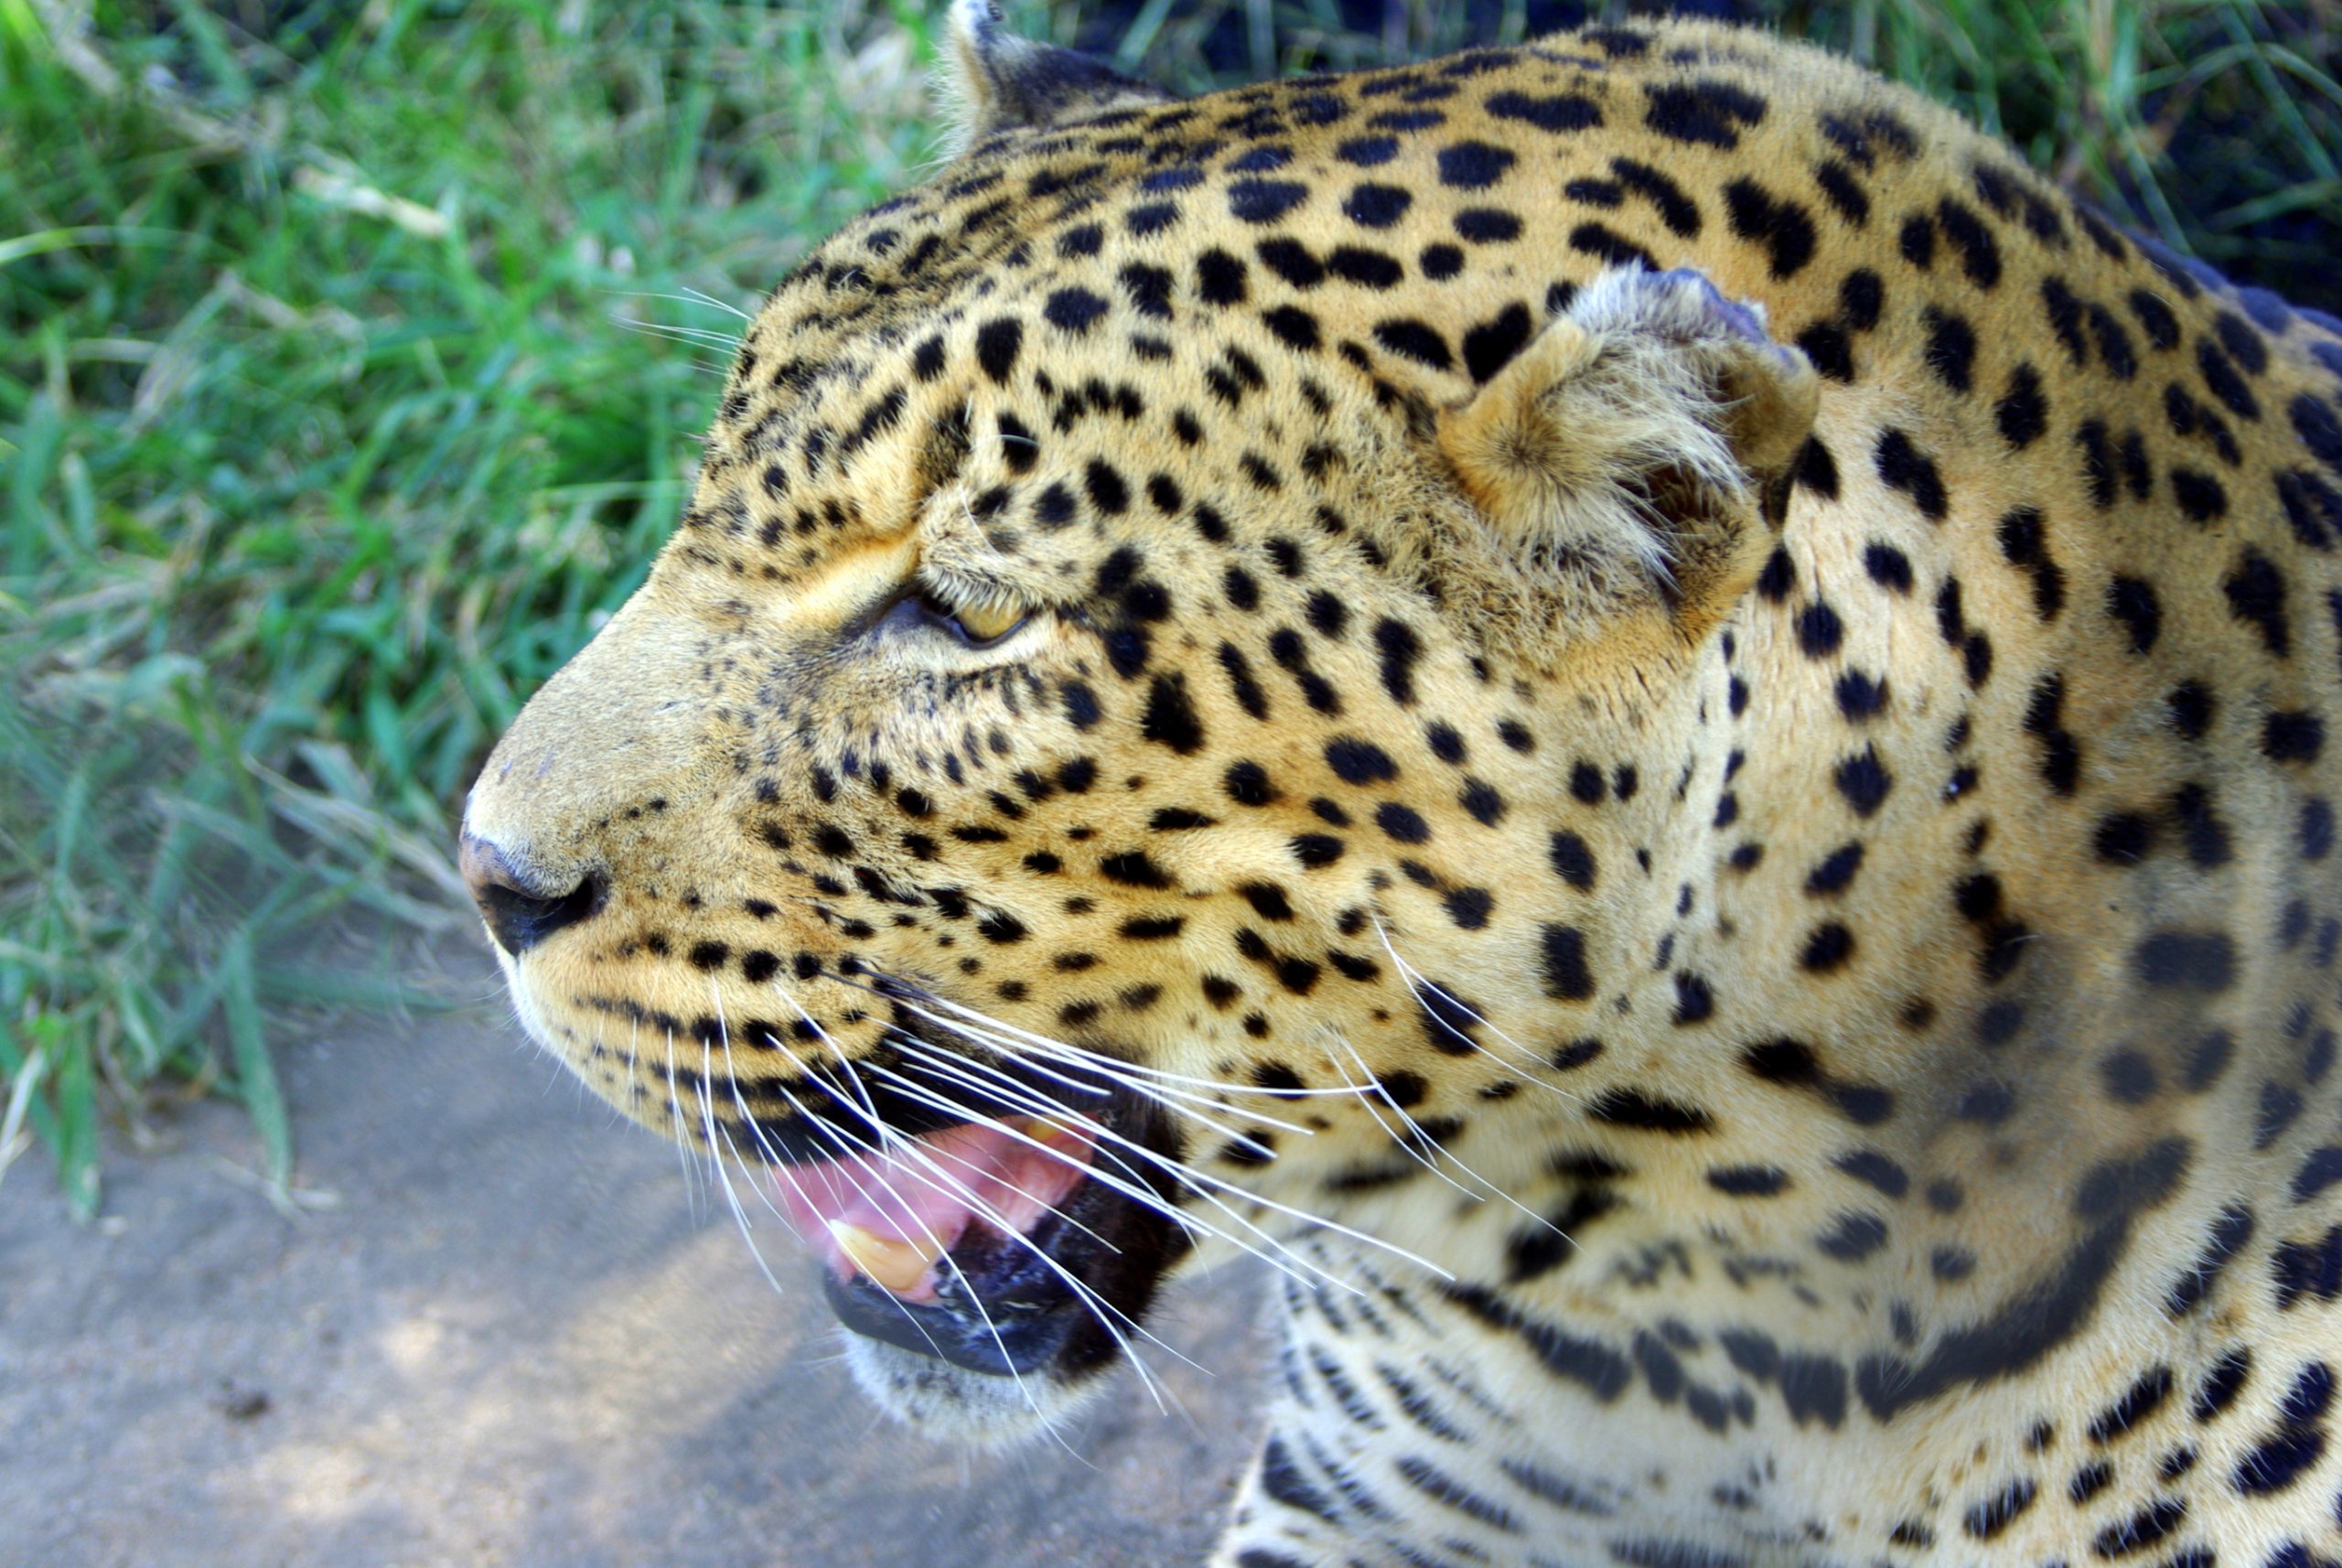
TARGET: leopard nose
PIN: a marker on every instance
(521, 907)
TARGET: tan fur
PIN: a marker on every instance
(1819, 821)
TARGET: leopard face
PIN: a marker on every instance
(1629, 704)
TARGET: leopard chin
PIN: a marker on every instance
(957, 1404)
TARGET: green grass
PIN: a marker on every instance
(351, 365)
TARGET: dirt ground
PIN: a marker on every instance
(517, 1332)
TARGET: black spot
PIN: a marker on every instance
(1606, 244)
(2231, 1230)
(1917, 240)
(1817, 471)
(1814, 1387)
(1132, 868)
(2292, 737)
(1171, 718)
(1855, 1237)
(927, 360)
(2201, 498)
(1489, 347)
(2308, 1268)
(1828, 949)
(1836, 871)
(1374, 206)
(1449, 1022)
(1416, 340)
(1219, 278)
(1874, 1169)
(1826, 344)
(2313, 508)
(2314, 421)
(1863, 782)
(1398, 647)
(1566, 972)
(2089, 1481)
(1782, 227)
(2129, 1078)
(1560, 113)
(1707, 114)
(1995, 1513)
(2322, 1169)
(2315, 829)
(2256, 593)
(1264, 200)
(2113, 343)
(1818, 630)
(1403, 823)
(2022, 412)
(1861, 297)
(2114, 1189)
(1694, 1000)
(2043, 720)
(2279, 1460)
(996, 347)
(1473, 166)
(1573, 860)
(2142, 1400)
(1315, 850)
(1356, 761)
(2191, 706)
(1903, 466)
(1980, 257)
(1293, 325)
(1074, 310)
(2065, 312)
(1601, 1370)
(2220, 378)
(1952, 348)
(1469, 907)
(1749, 1181)
(1842, 191)
(1369, 269)
(1630, 1108)
(2132, 601)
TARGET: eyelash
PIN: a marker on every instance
(928, 606)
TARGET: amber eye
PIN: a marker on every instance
(977, 624)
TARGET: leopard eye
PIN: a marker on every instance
(978, 625)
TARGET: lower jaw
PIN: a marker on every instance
(1001, 1333)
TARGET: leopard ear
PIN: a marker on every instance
(1639, 449)
(1002, 82)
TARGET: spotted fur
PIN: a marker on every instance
(1702, 701)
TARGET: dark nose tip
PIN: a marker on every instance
(521, 912)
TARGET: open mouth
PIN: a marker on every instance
(1007, 1245)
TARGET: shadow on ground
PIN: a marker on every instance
(523, 1336)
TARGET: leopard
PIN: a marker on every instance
(1631, 705)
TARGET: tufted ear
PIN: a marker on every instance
(1003, 83)
(1629, 451)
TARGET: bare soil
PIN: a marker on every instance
(516, 1331)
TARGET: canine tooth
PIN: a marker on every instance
(896, 1265)
(1048, 1129)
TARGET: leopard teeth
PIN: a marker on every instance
(897, 1264)
(1050, 1130)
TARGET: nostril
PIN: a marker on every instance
(520, 910)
